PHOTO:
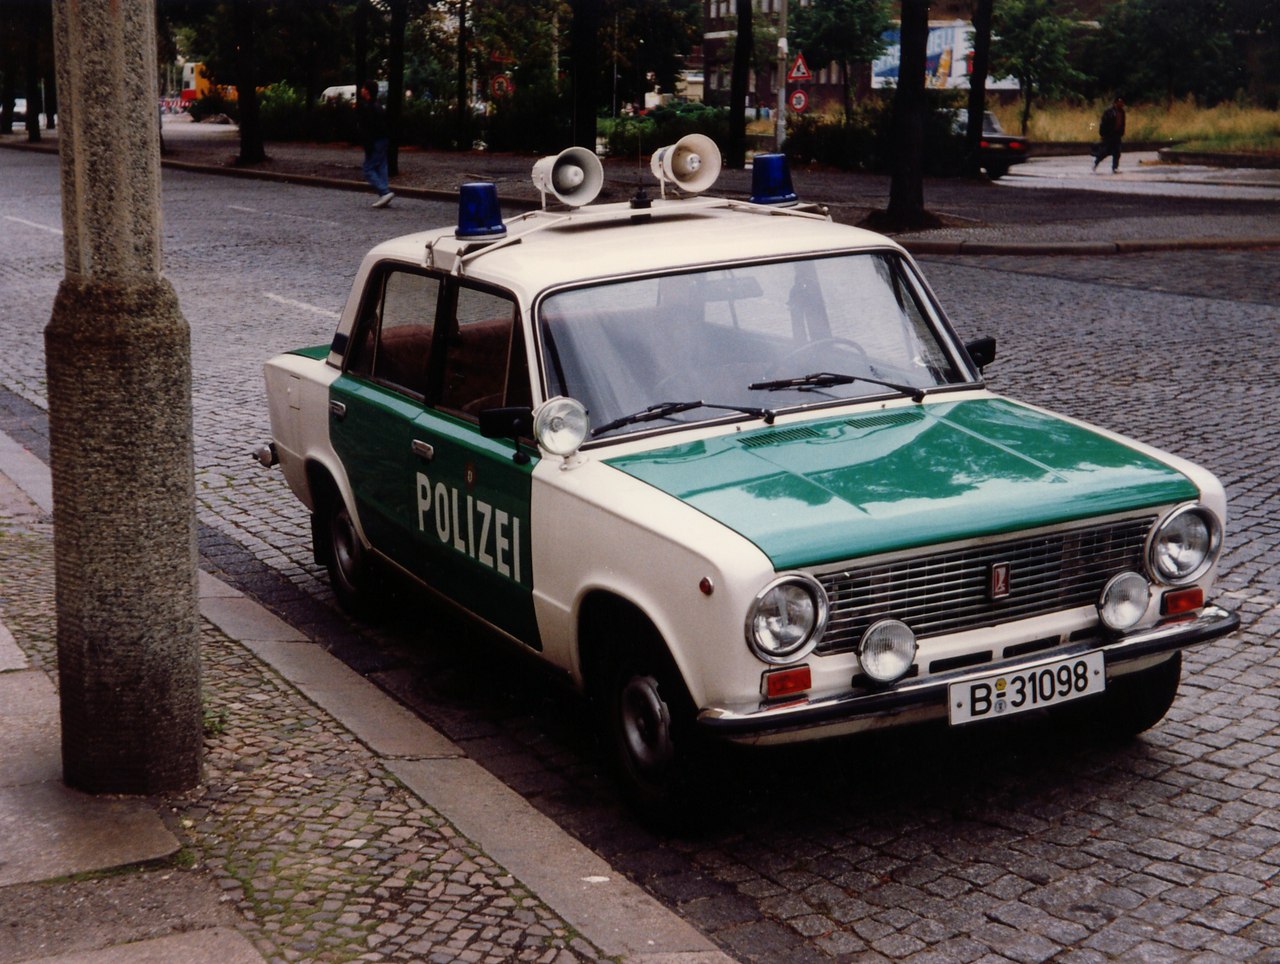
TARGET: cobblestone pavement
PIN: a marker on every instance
(322, 851)
(1023, 844)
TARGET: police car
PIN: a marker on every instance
(728, 467)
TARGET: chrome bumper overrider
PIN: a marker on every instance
(915, 700)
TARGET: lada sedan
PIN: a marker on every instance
(727, 466)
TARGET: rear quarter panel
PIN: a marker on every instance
(298, 403)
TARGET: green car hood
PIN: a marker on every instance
(835, 489)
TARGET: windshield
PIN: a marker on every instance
(728, 337)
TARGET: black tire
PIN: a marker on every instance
(344, 557)
(648, 727)
(1134, 703)
(997, 171)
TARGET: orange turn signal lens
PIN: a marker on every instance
(1180, 601)
(787, 682)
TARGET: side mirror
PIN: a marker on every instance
(982, 351)
(513, 423)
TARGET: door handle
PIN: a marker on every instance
(423, 450)
(337, 410)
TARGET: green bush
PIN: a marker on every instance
(860, 143)
(628, 136)
(632, 136)
(865, 140)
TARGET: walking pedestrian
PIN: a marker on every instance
(374, 133)
(1111, 130)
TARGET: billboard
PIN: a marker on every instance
(948, 59)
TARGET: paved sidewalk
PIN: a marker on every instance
(331, 824)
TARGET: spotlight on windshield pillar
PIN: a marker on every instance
(771, 180)
(479, 218)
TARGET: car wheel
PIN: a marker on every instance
(1133, 703)
(997, 171)
(648, 729)
(345, 558)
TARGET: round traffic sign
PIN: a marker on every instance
(799, 101)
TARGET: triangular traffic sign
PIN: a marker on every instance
(799, 69)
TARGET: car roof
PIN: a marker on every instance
(546, 249)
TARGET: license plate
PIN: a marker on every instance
(1032, 688)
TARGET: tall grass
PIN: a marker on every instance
(1227, 127)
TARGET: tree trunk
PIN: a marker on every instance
(252, 150)
(978, 86)
(464, 100)
(737, 154)
(31, 57)
(50, 99)
(395, 82)
(906, 187)
(584, 40)
(360, 43)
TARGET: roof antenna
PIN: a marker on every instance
(640, 201)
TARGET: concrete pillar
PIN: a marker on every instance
(119, 366)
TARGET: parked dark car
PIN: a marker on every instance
(997, 150)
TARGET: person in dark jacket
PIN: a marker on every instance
(375, 135)
(1111, 130)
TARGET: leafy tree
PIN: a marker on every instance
(644, 43)
(1031, 42)
(843, 32)
(1170, 49)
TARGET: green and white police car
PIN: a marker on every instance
(728, 467)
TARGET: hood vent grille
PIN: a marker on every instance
(885, 420)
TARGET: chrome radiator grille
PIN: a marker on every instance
(951, 591)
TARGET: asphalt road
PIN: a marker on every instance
(984, 844)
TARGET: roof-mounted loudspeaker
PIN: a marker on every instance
(575, 176)
(692, 164)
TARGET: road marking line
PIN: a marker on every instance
(302, 304)
(283, 214)
(33, 224)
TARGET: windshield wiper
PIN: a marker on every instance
(667, 409)
(814, 380)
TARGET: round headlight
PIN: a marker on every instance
(887, 650)
(1124, 601)
(560, 425)
(787, 619)
(1185, 544)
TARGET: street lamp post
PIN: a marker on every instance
(780, 131)
(118, 357)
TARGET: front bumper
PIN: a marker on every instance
(918, 700)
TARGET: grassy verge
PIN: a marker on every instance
(1227, 127)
